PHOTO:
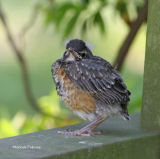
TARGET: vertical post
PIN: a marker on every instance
(150, 116)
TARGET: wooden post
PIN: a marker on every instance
(150, 117)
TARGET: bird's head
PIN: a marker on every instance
(76, 50)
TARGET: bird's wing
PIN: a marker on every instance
(99, 78)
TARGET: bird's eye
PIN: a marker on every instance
(83, 55)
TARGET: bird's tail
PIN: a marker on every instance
(124, 112)
(125, 116)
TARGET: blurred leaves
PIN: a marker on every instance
(99, 21)
(22, 123)
(50, 104)
(121, 7)
(65, 15)
(70, 25)
(7, 128)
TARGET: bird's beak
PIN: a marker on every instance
(74, 53)
(70, 53)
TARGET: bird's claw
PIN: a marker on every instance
(78, 133)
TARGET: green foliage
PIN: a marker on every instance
(70, 25)
(50, 104)
(7, 128)
(84, 14)
(22, 123)
(99, 21)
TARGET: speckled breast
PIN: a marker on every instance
(71, 95)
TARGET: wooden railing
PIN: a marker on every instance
(120, 140)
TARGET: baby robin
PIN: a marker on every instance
(90, 86)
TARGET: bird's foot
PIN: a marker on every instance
(85, 131)
(78, 132)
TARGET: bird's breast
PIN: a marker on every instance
(74, 97)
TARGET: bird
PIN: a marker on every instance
(90, 86)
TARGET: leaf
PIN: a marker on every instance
(50, 15)
(85, 1)
(56, 12)
(71, 24)
(61, 12)
(99, 20)
(84, 27)
(121, 7)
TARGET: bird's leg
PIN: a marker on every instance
(85, 131)
(91, 126)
